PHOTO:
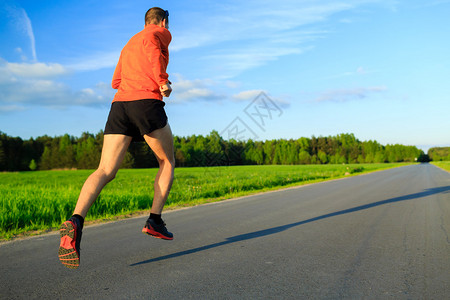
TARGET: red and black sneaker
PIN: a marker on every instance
(69, 248)
(158, 231)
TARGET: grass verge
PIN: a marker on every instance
(36, 202)
(445, 165)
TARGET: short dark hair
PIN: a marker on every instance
(155, 15)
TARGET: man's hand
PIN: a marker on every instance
(165, 90)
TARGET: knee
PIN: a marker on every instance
(172, 162)
(167, 162)
(107, 174)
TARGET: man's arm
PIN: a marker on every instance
(159, 65)
(117, 77)
(165, 89)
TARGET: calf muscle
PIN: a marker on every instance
(161, 143)
(113, 152)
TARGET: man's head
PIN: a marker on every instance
(157, 16)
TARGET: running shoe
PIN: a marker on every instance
(158, 231)
(69, 248)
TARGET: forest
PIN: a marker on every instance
(69, 152)
(439, 154)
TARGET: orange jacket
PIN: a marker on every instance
(142, 65)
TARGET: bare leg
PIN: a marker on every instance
(161, 143)
(113, 152)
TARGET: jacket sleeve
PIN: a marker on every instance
(117, 77)
(158, 59)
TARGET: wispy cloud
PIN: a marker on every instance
(250, 95)
(95, 61)
(254, 20)
(247, 95)
(21, 23)
(263, 30)
(344, 95)
(30, 33)
(198, 89)
(357, 72)
(235, 61)
(11, 108)
(433, 3)
(251, 33)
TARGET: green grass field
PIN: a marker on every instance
(40, 201)
(442, 164)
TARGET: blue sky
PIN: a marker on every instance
(378, 69)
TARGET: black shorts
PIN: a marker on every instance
(136, 118)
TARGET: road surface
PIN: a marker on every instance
(384, 235)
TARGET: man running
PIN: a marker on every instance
(137, 113)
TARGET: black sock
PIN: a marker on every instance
(80, 219)
(156, 218)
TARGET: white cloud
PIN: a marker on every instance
(250, 95)
(232, 84)
(11, 108)
(210, 90)
(89, 97)
(35, 70)
(344, 95)
(197, 89)
(247, 95)
(23, 85)
(95, 61)
(196, 93)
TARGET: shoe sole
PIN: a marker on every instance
(67, 253)
(156, 234)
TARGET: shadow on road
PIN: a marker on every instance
(265, 232)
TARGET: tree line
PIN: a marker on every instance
(439, 153)
(69, 152)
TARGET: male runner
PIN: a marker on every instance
(137, 113)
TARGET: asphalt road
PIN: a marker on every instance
(384, 235)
